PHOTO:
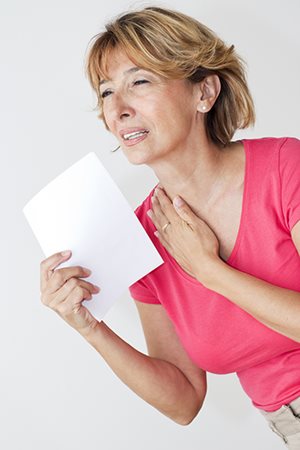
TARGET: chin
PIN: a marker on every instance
(136, 158)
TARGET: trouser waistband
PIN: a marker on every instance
(285, 419)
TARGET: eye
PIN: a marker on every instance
(137, 82)
(106, 93)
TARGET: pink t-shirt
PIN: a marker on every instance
(218, 335)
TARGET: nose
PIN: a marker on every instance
(122, 107)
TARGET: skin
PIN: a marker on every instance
(177, 147)
(209, 181)
(166, 379)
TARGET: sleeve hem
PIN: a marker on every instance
(144, 299)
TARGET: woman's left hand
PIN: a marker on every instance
(187, 237)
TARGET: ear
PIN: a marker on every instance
(210, 89)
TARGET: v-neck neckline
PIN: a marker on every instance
(245, 197)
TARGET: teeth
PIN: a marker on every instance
(134, 135)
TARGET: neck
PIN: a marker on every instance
(201, 175)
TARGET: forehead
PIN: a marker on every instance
(117, 65)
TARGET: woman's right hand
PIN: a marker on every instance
(63, 290)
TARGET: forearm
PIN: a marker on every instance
(158, 382)
(278, 308)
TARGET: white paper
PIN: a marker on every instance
(83, 210)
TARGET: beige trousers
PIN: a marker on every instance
(285, 422)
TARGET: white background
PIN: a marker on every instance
(56, 392)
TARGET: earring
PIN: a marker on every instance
(203, 108)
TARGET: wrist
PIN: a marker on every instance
(90, 332)
(210, 273)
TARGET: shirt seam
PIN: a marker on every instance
(281, 184)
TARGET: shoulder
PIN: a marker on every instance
(273, 152)
(290, 150)
(289, 175)
(271, 144)
(289, 158)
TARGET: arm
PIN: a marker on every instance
(195, 247)
(166, 379)
(278, 308)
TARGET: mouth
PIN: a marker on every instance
(134, 135)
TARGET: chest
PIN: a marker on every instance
(224, 218)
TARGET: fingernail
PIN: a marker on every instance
(66, 252)
(97, 289)
(149, 213)
(178, 202)
(87, 271)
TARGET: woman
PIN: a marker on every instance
(225, 218)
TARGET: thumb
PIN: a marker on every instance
(183, 209)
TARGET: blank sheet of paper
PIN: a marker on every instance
(83, 210)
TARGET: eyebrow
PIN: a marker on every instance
(131, 70)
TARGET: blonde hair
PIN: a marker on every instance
(177, 46)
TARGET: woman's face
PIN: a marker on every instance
(150, 116)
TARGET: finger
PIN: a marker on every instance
(60, 276)
(153, 218)
(184, 211)
(73, 282)
(159, 218)
(165, 243)
(64, 293)
(50, 263)
(73, 302)
(161, 237)
(166, 205)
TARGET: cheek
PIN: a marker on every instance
(174, 108)
(107, 120)
(173, 118)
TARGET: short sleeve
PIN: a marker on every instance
(141, 292)
(290, 180)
